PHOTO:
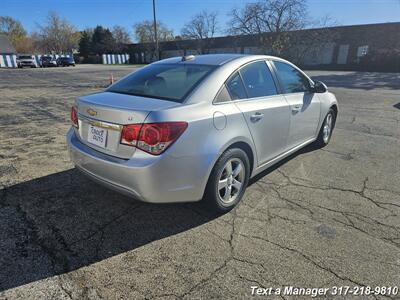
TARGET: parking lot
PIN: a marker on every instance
(321, 218)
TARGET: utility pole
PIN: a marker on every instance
(155, 29)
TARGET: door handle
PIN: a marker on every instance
(296, 108)
(256, 117)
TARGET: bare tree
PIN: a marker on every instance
(26, 44)
(144, 33)
(57, 35)
(269, 16)
(121, 37)
(14, 30)
(201, 27)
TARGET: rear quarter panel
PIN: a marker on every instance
(211, 130)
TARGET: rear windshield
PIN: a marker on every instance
(25, 57)
(163, 81)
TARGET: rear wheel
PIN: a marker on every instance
(228, 180)
(327, 127)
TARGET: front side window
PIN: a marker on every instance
(258, 80)
(163, 81)
(292, 80)
(236, 88)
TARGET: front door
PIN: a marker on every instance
(304, 105)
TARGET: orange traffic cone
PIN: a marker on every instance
(111, 79)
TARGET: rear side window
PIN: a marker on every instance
(163, 81)
(291, 79)
(258, 80)
(236, 88)
(223, 96)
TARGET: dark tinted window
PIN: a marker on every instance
(258, 80)
(169, 81)
(236, 88)
(292, 80)
(223, 96)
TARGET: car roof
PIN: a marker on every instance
(205, 59)
(212, 59)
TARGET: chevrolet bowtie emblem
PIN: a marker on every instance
(91, 112)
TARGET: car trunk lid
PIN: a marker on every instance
(102, 116)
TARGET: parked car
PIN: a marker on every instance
(65, 61)
(198, 127)
(48, 61)
(26, 60)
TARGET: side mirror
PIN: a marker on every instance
(319, 87)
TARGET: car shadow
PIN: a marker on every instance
(64, 221)
(361, 80)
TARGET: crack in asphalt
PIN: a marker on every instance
(307, 258)
(344, 156)
(64, 289)
(346, 214)
(326, 188)
(100, 228)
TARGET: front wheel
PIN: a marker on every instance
(228, 180)
(327, 127)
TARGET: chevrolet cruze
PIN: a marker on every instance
(198, 127)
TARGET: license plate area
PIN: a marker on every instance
(97, 136)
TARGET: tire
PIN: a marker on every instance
(218, 199)
(325, 133)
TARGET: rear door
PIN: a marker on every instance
(304, 105)
(266, 112)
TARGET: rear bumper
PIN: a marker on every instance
(156, 179)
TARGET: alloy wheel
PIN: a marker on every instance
(327, 128)
(231, 180)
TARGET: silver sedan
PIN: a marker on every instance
(198, 127)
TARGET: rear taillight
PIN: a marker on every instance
(74, 117)
(153, 138)
(130, 134)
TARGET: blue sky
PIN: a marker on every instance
(174, 13)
